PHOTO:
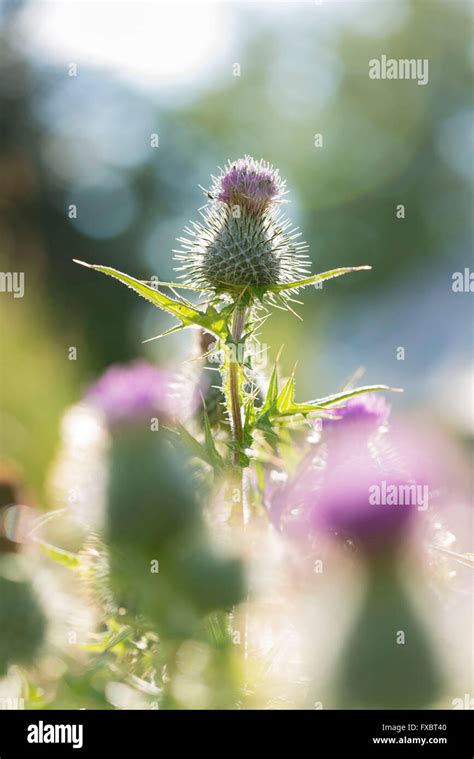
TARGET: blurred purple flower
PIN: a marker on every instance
(358, 485)
(363, 500)
(248, 183)
(132, 393)
(365, 413)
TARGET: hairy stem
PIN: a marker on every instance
(235, 377)
(238, 325)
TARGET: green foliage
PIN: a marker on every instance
(206, 451)
(316, 279)
(22, 620)
(164, 573)
(280, 404)
(210, 320)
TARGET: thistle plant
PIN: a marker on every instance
(153, 513)
(330, 495)
(244, 258)
(157, 576)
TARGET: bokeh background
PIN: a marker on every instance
(89, 88)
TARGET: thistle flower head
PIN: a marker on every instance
(243, 241)
(130, 393)
(346, 506)
(250, 184)
(360, 486)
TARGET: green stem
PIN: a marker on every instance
(235, 376)
(238, 325)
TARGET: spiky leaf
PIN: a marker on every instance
(210, 320)
(316, 278)
(331, 400)
(206, 451)
(284, 405)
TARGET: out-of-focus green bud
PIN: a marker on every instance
(243, 241)
(162, 564)
(22, 619)
(151, 507)
(177, 584)
(212, 581)
(147, 587)
(388, 663)
(151, 495)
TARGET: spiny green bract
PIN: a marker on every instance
(244, 241)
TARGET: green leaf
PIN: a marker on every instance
(214, 456)
(286, 394)
(239, 448)
(118, 638)
(286, 406)
(316, 278)
(59, 555)
(331, 400)
(272, 392)
(265, 425)
(280, 404)
(211, 320)
(249, 414)
(170, 331)
(207, 452)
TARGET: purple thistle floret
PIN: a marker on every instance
(132, 393)
(248, 183)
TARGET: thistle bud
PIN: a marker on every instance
(211, 580)
(243, 242)
(128, 394)
(387, 662)
(162, 566)
(22, 620)
(150, 496)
